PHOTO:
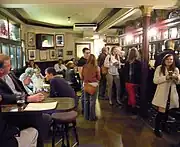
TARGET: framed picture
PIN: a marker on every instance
(79, 47)
(31, 54)
(43, 55)
(59, 40)
(69, 53)
(60, 53)
(31, 39)
(108, 40)
(52, 54)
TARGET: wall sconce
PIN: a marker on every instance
(69, 19)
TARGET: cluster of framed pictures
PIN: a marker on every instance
(45, 39)
(43, 54)
(112, 40)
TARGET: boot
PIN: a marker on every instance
(158, 119)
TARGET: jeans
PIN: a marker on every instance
(90, 105)
(82, 98)
(116, 80)
(102, 86)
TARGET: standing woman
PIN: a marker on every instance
(166, 77)
(132, 75)
(90, 75)
(113, 63)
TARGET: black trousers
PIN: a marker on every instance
(23, 120)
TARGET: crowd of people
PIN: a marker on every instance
(109, 77)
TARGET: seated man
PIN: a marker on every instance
(59, 87)
(10, 87)
(11, 137)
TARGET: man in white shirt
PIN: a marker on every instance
(60, 68)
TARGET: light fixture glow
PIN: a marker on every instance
(69, 19)
(129, 38)
(152, 32)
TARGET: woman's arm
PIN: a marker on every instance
(106, 61)
(98, 74)
(159, 78)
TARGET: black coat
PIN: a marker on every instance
(5, 91)
(135, 78)
(59, 87)
(7, 134)
(161, 56)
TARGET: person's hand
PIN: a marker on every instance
(116, 64)
(35, 98)
(175, 77)
(168, 77)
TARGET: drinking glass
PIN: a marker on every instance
(20, 99)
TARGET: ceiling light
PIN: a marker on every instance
(69, 19)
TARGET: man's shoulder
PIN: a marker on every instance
(81, 61)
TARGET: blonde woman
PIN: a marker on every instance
(113, 63)
(166, 77)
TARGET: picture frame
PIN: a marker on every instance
(69, 53)
(31, 39)
(60, 53)
(108, 39)
(43, 55)
(59, 40)
(52, 54)
(32, 54)
(79, 47)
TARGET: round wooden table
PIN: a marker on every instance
(64, 104)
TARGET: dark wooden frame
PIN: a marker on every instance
(34, 50)
(56, 40)
(50, 55)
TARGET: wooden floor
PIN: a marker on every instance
(115, 128)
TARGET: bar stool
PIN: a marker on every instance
(67, 120)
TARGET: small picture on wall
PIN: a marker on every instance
(60, 53)
(52, 54)
(31, 39)
(69, 53)
(59, 40)
(32, 54)
(43, 55)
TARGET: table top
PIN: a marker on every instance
(64, 104)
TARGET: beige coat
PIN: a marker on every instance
(162, 90)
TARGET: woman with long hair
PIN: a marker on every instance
(113, 63)
(90, 75)
(132, 72)
(166, 77)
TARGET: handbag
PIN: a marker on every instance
(89, 88)
(104, 70)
